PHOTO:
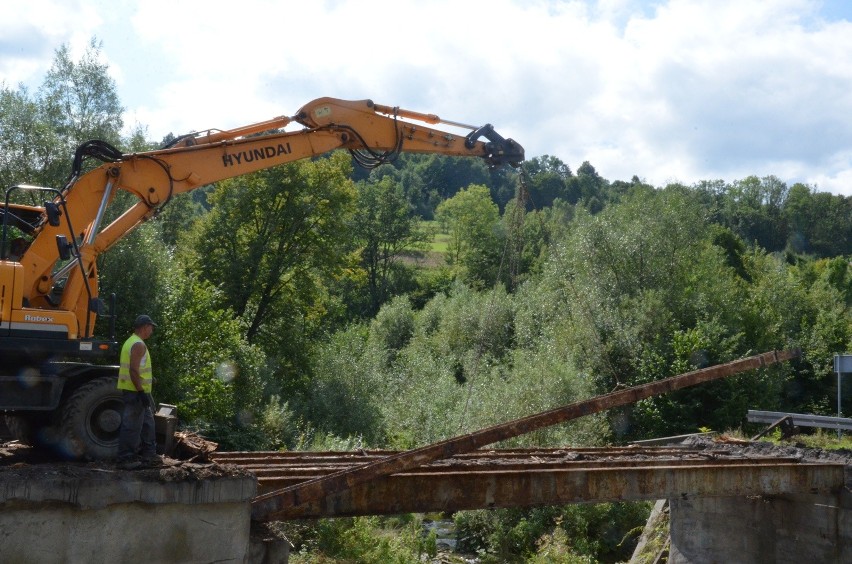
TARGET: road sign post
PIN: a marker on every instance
(842, 364)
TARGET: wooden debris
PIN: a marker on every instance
(192, 447)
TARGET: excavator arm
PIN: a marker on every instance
(53, 288)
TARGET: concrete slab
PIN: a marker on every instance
(95, 512)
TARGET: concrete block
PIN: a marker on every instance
(128, 532)
(91, 514)
(790, 528)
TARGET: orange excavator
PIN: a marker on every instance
(54, 390)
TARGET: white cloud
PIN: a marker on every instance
(36, 28)
(683, 89)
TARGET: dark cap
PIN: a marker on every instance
(143, 320)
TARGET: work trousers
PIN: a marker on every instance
(137, 427)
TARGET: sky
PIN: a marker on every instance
(668, 90)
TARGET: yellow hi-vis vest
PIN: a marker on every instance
(145, 368)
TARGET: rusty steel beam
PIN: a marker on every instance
(311, 472)
(271, 478)
(267, 507)
(288, 463)
(266, 459)
(360, 456)
(275, 470)
(422, 492)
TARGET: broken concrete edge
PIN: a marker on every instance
(99, 486)
(655, 535)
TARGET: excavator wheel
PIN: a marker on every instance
(90, 421)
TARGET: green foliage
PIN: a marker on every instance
(430, 179)
(530, 235)
(24, 138)
(277, 425)
(753, 208)
(639, 292)
(819, 222)
(826, 329)
(825, 439)
(344, 395)
(455, 360)
(180, 213)
(477, 323)
(572, 533)
(367, 540)
(203, 363)
(555, 548)
(79, 98)
(472, 219)
(270, 242)
(38, 134)
(764, 212)
(626, 274)
(732, 247)
(136, 270)
(393, 327)
(431, 282)
(549, 180)
(384, 229)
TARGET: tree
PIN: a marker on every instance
(38, 135)
(269, 240)
(819, 222)
(640, 292)
(752, 208)
(135, 270)
(447, 175)
(204, 365)
(24, 139)
(548, 179)
(180, 213)
(78, 101)
(403, 172)
(473, 222)
(384, 229)
(588, 186)
(79, 98)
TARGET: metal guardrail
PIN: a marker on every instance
(801, 420)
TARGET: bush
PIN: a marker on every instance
(344, 398)
(603, 532)
(366, 540)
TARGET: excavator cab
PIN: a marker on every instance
(19, 225)
(33, 334)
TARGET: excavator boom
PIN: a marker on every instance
(374, 134)
(49, 300)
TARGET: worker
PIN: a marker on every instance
(135, 377)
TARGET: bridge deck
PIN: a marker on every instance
(531, 477)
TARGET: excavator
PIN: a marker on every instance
(57, 386)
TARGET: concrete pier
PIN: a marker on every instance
(786, 528)
(98, 513)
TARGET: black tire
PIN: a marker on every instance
(91, 420)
